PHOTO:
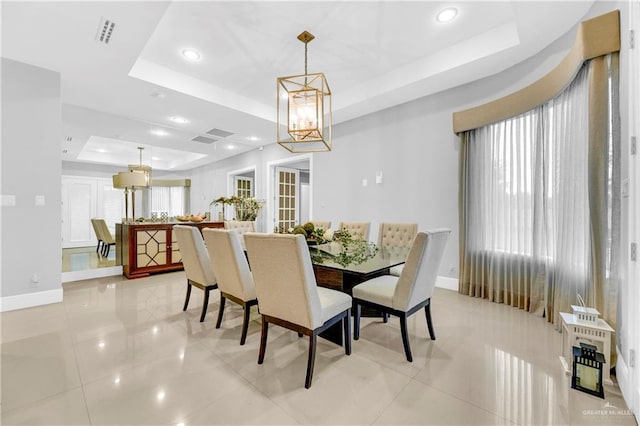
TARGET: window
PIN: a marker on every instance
(170, 197)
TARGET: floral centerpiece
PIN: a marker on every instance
(245, 208)
(353, 250)
(248, 208)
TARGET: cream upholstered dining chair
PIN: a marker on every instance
(241, 226)
(324, 225)
(403, 296)
(197, 264)
(96, 230)
(234, 278)
(396, 236)
(288, 295)
(356, 229)
(105, 239)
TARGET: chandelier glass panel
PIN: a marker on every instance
(304, 109)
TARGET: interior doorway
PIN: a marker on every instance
(240, 183)
(290, 192)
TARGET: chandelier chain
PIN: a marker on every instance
(305, 58)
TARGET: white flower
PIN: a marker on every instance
(328, 234)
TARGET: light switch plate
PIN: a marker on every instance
(39, 200)
(8, 200)
(364, 182)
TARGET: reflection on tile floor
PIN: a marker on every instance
(84, 258)
(123, 352)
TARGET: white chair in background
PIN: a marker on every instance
(396, 236)
(241, 226)
(356, 229)
(324, 225)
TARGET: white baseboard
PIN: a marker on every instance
(88, 274)
(11, 303)
(28, 300)
(447, 282)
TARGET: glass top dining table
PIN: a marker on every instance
(336, 271)
(331, 256)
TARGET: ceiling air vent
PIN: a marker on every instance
(105, 29)
(202, 139)
(218, 132)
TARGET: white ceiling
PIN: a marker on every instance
(374, 54)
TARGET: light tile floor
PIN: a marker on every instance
(84, 258)
(123, 352)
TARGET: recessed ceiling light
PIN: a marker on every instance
(253, 138)
(446, 15)
(159, 132)
(191, 55)
(155, 158)
(230, 146)
(102, 150)
(179, 120)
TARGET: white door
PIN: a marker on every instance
(84, 198)
(243, 186)
(79, 204)
(287, 198)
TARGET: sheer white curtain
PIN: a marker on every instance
(538, 197)
(170, 199)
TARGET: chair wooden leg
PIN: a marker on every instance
(346, 322)
(427, 313)
(311, 361)
(98, 246)
(405, 337)
(356, 322)
(221, 310)
(245, 323)
(300, 334)
(205, 305)
(186, 299)
(263, 340)
(107, 249)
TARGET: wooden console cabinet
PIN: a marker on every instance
(149, 248)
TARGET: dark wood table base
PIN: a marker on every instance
(344, 281)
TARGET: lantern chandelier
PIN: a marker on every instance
(304, 109)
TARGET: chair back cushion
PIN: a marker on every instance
(241, 226)
(96, 229)
(285, 284)
(104, 231)
(321, 225)
(230, 263)
(397, 234)
(420, 271)
(195, 258)
(356, 229)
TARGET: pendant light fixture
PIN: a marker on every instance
(142, 168)
(138, 176)
(304, 109)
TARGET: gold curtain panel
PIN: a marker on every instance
(596, 37)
